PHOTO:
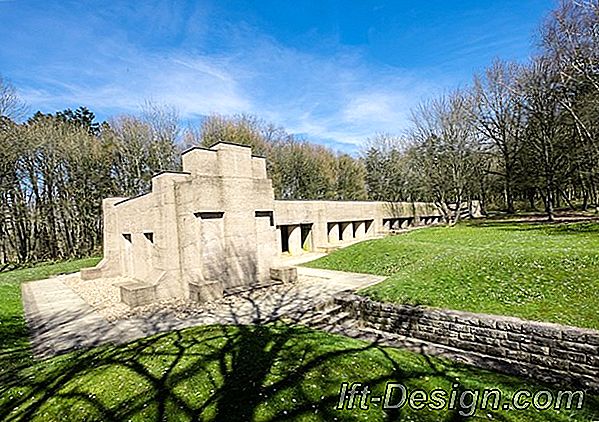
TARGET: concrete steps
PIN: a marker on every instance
(328, 317)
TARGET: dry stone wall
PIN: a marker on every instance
(550, 352)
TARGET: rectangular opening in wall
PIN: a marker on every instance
(207, 215)
(354, 228)
(368, 227)
(284, 238)
(331, 236)
(127, 237)
(266, 214)
(342, 227)
(306, 233)
(149, 236)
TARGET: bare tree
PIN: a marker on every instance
(570, 42)
(548, 153)
(499, 116)
(11, 105)
(444, 150)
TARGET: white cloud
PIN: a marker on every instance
(124, 78)
(337, 96)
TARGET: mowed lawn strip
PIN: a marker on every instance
(272, 372)
(542, 272)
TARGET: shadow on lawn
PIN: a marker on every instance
(561, 227)
(221, 372)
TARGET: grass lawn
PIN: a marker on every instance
(273, 372)
(544, 272)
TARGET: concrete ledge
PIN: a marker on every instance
(91, 273)
(284, 274)
(205, 291)
(328, 249)
(137, 293)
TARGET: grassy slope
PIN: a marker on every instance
(540, 272)
(224, 373)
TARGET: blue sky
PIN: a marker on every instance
(336, 72)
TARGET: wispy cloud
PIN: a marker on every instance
(336, 95)
(120, 82)
(324, 97)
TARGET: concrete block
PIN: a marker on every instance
(206, 291)
(91, 273)
(284, 274)
(137, 293)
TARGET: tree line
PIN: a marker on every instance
(55, 169)
(521, 136)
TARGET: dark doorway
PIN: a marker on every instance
(367, 227)
(306, 231)
(342, 227)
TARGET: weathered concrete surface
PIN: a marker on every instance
(212, 223)
(217, 223)
(60, 320)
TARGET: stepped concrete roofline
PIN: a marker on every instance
(196, 147)
(229, 143)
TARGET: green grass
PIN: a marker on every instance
(229, 373)
(544, 272)
(270, 372)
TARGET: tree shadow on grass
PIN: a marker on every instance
(269, 370)
(562, 227)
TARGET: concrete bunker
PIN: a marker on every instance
(216, 227)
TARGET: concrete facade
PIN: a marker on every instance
(216, 226)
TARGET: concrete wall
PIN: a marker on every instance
(216, 226)
(211, 223)
(338, 222)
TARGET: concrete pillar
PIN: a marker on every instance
(346, 230)
(295, 240)
(405, 223)
(387, 224)
(396, 224)
(279, 243)
(333, 234)
(320, 234)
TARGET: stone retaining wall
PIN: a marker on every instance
(545, 351)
